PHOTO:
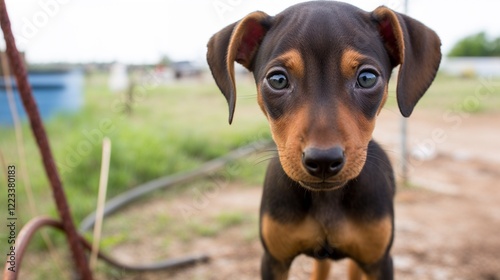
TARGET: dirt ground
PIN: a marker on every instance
(447, 222)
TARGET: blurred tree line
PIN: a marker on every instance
(476, 45)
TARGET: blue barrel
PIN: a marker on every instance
(55, 91)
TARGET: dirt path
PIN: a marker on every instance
(446, 228)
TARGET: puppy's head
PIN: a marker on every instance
(322, 70)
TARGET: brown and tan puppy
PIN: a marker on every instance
(322, 71)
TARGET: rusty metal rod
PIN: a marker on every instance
(37, 127)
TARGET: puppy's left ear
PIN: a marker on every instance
(238, 42)
(416, 48)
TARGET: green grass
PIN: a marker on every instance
(230, 219)
(466, 95)
(208, 227)
(172, 128)
(218, 224)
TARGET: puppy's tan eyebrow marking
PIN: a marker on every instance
(293, 61)
(349, 62)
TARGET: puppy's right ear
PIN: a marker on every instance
(237, 42)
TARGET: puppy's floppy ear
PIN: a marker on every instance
(237, 42)
(416, 48)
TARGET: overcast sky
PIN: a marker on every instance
(141, 31)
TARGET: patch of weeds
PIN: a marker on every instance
(212, 226)
(250, 234)
(204, 229)
(229, 219)
(113, 240)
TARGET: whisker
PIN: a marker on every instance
(260, 161)
(248, 96)
(267, 156)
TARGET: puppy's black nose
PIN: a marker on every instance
(323, 163)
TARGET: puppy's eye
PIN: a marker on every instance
(367, 79)
(277, 81)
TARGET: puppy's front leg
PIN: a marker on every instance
(272, 269)
(382, 270)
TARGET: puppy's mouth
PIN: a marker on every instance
(322, 186)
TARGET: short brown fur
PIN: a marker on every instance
(321, 269)
(354, 272)
(285, 241)
(329, 192)
(397, 48)
(384, 99)
(356, 131)
(349, 62)
(293, 61)
(290, 141)
(236, 41)
(366, 242)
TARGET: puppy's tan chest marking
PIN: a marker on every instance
(364, 242)
(285, 241)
